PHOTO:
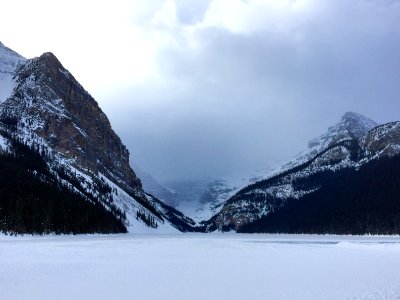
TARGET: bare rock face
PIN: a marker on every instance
(382, 141)
(50, 102)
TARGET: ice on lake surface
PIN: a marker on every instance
(221, 266)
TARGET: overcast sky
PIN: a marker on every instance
(202, 88)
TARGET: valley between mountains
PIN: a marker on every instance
(64, 170)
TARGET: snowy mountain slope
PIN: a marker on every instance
(361, 200)
(36, 198)
(201, 199)
(9, 63)
(220, 190)
(304, 178)
(187, 195)
(352, 125)
(50, 111)
(179, 220)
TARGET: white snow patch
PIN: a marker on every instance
(3, 144)
(9, 62)
(130, 206)
(7, 84)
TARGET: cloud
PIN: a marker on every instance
(251, 84)
(202, 88)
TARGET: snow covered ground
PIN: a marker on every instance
(223, 266)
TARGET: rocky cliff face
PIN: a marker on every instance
(338, 152)
(48, 108)
(48, 101)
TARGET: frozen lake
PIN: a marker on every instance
(189, 267)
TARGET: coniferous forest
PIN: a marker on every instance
(31, 200)
(364, 201)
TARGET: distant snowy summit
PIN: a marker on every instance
(45, 113)
(351, 126)
(202, 198)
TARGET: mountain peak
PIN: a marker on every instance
(352, 114)
(64, 114)
(44, 109)
(360, 119)
(49, 57)
(352, 125)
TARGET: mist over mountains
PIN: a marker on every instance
(71, 173)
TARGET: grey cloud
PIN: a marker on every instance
(240, 100)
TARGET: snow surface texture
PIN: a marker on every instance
(199, 267)
(9, 62)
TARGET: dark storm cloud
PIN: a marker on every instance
(240, 99)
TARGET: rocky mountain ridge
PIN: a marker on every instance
(351, 126)
(299, 178)
(48, 109)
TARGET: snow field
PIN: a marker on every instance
(220, 266)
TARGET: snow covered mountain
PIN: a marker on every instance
(201, 199)
(44, 108)
(349, 147)
(220, 190)
(351, 126)
(187, 195)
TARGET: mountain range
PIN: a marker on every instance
(63, 169)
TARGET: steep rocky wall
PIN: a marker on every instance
(53, 104)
